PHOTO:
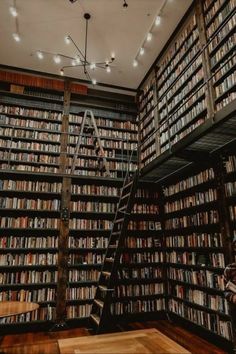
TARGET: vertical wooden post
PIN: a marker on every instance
(210, 93)
(219, 170)
(156, 115)
(139, 132)
(65, 217)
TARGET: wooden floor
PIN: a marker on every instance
(142, 341)
(47, 342)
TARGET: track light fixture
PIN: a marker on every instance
(125, 5)
(80, 59)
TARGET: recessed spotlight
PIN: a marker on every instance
(135, 63)
(141, 51)
(149, 36)
(113, 56)
(77, 60)
(94, 81)
(57, 59)
(13, 11)
(73, 62)
(108, 69)
(158, 20)
(16, 36)
(62, 72)
(40, 54)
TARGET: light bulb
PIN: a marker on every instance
(73, 62)
(135, 63)
(149, 36)
(94, 81)
(108, 69)
(40, 54)
(57, 59)
(62, 72)
(113, 56)
(16, 36)
(77, 60)
(13, 11)
(92, 66)
(141, 51)
(67, 40)
(158, 20)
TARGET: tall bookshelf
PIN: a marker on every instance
(55, 226)
(194, 76)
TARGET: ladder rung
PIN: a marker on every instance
(104, 288)
(127, 185)
(95, 318)
(112, 246)
(118, 221)
(125, 196)
(109, 260)
(100, 303)
(115, 233)
(122, 208)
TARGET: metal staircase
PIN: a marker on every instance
(89, 129)
(101, 308)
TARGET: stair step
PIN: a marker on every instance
(100, 303)
(95, 318)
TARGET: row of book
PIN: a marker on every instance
(34, 295)
(221, 16)
(94, 173)
(88, 163)
(144, 257)
(230, 164)
(29, 222)
(145, 97)
(140, 273)
(202, 277)
(142, 242)
(40, 168)
(197, 198)
(144, 225)
(32, 186)
(42, 314)
(30, 158)
(90, 153)
(35, 124)
(148, 152)
(106, 122)
(195, 240)
(228, 97)
(23, 241)
(145, 208)
(111, 134)
(90, 224)
(139, 289)
(232, 212)
(88, 242)
(211, 12)
(226, 85)
(144, 132)
(137, 306)
(30, 112)
(81, 293)
(28, 277)
(230, 189)
(212, 259)
(25, 203)
(33, 146)
(82, 275)
(30, 134)
(165, 64)
(212, 322)
(221, 54)
(94, 189)
(18, 259)
(87, 258)
(199, 297)
(97, 207)
(79, 311)
(198, 219)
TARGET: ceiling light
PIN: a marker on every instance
(67, 40)
(113, 56)
(135, 63)
(149, 36)
(92, 66)
(94, 81)
(57, 59)
(13, 11)
(125, 5)
(16, 36)
(78, 60)
(158, 20)
(40, 54)
(73, 62)
(141, 51)
(108, 69)
(62, 72)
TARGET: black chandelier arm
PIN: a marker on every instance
(82, 55)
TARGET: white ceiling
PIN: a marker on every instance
(43, 25)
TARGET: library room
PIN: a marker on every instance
(117, 176)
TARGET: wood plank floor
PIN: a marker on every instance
(46, 342)
(143, 341)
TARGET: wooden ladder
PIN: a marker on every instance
(89, 128)
(100, 313)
